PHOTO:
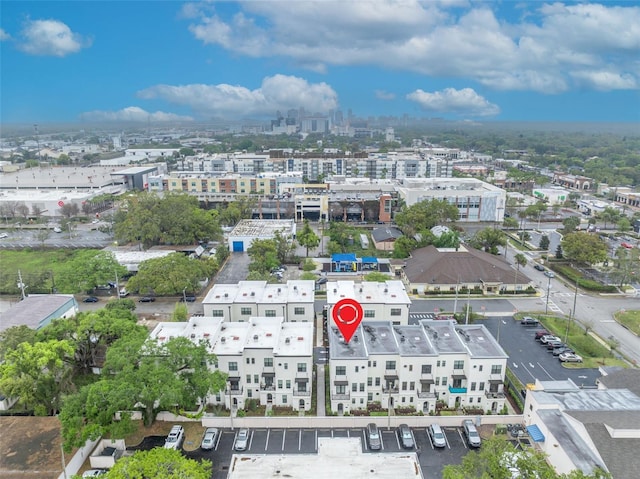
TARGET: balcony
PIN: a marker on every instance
(391, 374)
(453, 390)
(340, 380)
(341, 397)
(390, 390)
(302, 375)
(268, 387)
(494, 395)
(298, 392)
(426, 394)
(235, 391)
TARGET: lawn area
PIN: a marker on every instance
(594, 354)
(630, 320)
(193, 432)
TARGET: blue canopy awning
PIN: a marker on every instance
(343, 257)
(369, 259)
(535, 433)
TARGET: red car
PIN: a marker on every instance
(626, 245)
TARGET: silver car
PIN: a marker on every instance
(209, 438)
(242, 440)
(436, 435)
(405, 436)
(373, 437)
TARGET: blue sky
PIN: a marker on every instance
(455, 59)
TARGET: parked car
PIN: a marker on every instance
(123, 293)
(540, 334)
(90, 299)
(242, 440)
(57, 230)
(539, 267)
(529, 321)
(626, 245)
(189, 298)
(570, 358)
(551, 345)
(175, 438)
(147, 299)
(322, 280)
(549, 337)
(562, 349)
(436, 435)
(3, 235)
(405, 436)
(209, 438)
(373, 437)
(550, 274)
(94, 473)
(471, 433)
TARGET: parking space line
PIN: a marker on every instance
(299, 439)
(397, 441)
(266, 444)
(364, 440)
(348, 433)
(215, 446)
(464, 443)
(546, 372)
(446, 439)
(284, 435)
(316, 439)
(250, 440)
(527, 370)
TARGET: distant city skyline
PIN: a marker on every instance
(170, 61)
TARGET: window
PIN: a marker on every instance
(377, 381)
(354, 387)
(480, 368)
(438, 364)
(481, 387)
(473, 386)
(458, 364)
(361, 387)
(444, 364)
(444, 380)
(412, 386)
(369, 382)
(248, 378)
(437, 381)
(249, 393)
(375, 363)
(253, 360)
(341, 389)
(268, 362)
(279, 383)
(390, 365)
(369, 313)
(302, 367)
(404, 385)
(270, 313)
(284, 399)
(496, 369)
(403, 399)
(410, 367)
(426, 369)
(370, 397)
(217, 313)
(357, 368)
(286, 365)
(369, 363)
(256, 378)
(478, 399)
(396, 312)
(361, 401)
(298, 311)
(248, 360)
(245, 311)
(288, 383)
(341, 370)
(411, 399)
(233, 366)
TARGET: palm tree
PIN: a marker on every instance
(521, 260)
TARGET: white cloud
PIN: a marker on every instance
(133, 114)
(51, 38)
(4, 35)
(278, 92)
(606, 80)
(548, 49)
(465, 102)
(384, 95)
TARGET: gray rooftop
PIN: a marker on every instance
(379, 337)
(574, 445)
(619, 454)
(480, 342)
(413, 341)
(34, 310)
(338, 349)
(622, 378)
(592, 400)
(443, 336)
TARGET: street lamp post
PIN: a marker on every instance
(546, 308)
(184, 295)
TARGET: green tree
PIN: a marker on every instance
(284, 247)
(570, 223)
(623, 224)
(170, 274)
(544, 243)
(180, 312)
(376, 277)
(11, 337)
(161, 463)
(449, 239)
(121, 303)
(402, 247)
(264, 256)
(489, 239)
(424, 215)
(38, 374)
(187, 152)
(88, 269)
(627, 265)
(559, 254)
(307, 237)
(510, 223)
(520, 259)
(584, 248)
(609, 215)
(239, 209)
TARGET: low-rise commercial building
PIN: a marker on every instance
(246, 231)
(239, 302)
(416, 366)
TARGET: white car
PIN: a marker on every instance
(94, 473)
(57, 230)
(242, 440)
(209, 438)
(570, 358)
(3, 235)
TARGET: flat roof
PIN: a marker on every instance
(591, 399)
(294, 291)
(443, 336)
(262, 228)
(231, 339)
(368, 292)
(339, 349)
(479, 342)
(263, 332)
(295, 339)
(55, 177)
(336, 457)
(34, 309)
(379, 338)
(412, 341)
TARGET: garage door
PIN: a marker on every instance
(238, 246)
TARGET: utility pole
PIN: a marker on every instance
(546, 308)
(455, 303)
(466, 316)
(21, 284)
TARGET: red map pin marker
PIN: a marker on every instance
(347, 314)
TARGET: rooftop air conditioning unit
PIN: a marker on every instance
(255, 337)
(226, 295)
(223, 339)
(253, 293)
(287, 341)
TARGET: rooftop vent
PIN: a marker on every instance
(287, 341)
(253, 293)
(255, 337)
(295, 288)
(226, 295)
(268, 335)
(193, 336)
(402, 339)
(206, 335)
(236, 338)
(223, 339)
(335, 290)
(300, 338)
(386, 290)
(361, 290)
(279, 290)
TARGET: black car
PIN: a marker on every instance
(188, 298)
(147, 299)
(322, 280)
(561, 349)
(90, 299)
(405, 436)
(539, 267)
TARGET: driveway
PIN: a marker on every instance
(235, 269)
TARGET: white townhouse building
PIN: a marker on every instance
(239, 302)
(266, 358)
(416, 365)
(386, 301)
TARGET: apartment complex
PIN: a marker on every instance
(240, 302)
(266, 358)
(416, 366)
(386, 301)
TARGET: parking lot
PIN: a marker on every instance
(305, 441)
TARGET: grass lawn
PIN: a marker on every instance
(193, 432)
(630, 320)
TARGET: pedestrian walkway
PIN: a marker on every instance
(320, 396)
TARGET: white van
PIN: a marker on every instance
(123, 293)
(175, 438)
